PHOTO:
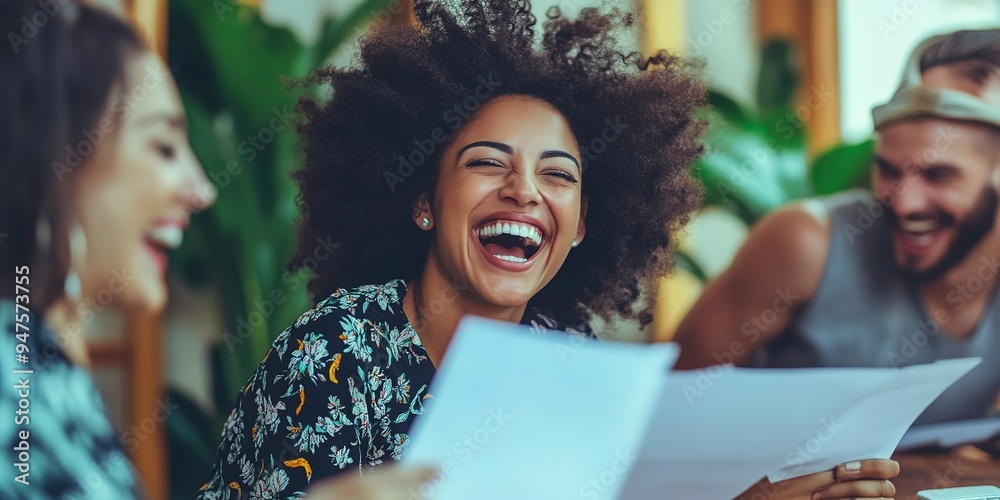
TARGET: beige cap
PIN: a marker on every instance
(912, 99)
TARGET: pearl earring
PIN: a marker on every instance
(78, 253)
(425, 222)
(575, 243)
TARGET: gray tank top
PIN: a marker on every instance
(866, 314)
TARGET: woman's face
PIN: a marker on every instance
(508, 201)
(133, 198)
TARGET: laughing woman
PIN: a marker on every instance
(94, 191)
(462, 169)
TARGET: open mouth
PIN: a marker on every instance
(165, 237)
(511, 241)
(919, 234)
(162, 238)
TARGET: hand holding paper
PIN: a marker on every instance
(518, 415)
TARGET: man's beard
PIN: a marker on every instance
(971, 231)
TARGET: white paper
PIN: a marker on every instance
(950, 434)
(874, 424)
(717, 431)
(514, 414)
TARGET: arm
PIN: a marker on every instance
(777, 270)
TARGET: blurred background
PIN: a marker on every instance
(792, 86)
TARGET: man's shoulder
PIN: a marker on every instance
(797, 233)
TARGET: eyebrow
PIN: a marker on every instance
(488, 144)
(560, 154)
(882, 162)
(173, 121)
(553, 153)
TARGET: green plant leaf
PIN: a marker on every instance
(750, 173)
(231, 68)
(193, 439)
(683, 261)
(730, 113)
(843, 167)
(341, 30)
(778, 78)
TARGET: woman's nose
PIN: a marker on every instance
(199, 193)
(521, 189)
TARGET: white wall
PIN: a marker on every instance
(723, 33)
(876, 39)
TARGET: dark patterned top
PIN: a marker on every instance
(338, 391)
(73, 450)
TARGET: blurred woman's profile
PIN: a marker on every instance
(98, 184)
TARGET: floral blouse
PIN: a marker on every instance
(72, 450)
(338, 391)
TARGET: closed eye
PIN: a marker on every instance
(940, 174)
(484, 163)
(563, 175)
(885, 169)
(166, 150)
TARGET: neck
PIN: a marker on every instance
(61, 318)
(436, 302)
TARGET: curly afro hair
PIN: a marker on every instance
(373, 148)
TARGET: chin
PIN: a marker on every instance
(145, 298)
(500, 296)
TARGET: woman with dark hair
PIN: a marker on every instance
(97, 182)
(464, 167)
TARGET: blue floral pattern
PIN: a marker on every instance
(75, 452)
(337, 391)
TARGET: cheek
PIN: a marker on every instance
(116, 212)
(565, 207)
(113, 231)
(957, 198)
(459, 197)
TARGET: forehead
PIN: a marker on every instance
(521, 122)
(935, 140)
(149, 89)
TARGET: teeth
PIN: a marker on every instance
(918, 226)
(528, 231)
(922, 240)
(510, 258)
(166, 236)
